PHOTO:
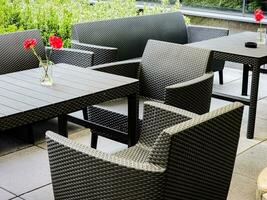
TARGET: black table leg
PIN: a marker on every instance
(62, 125)
(133, 114)
(253, 101)
(30, 134)
(245, 79)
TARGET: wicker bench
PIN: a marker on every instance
(126, 38)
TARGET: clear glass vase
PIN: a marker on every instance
(261, 36)
(46, 72)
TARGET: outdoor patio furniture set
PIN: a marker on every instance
(177, 150)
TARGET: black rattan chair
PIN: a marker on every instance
(180, 155)
(175, 74)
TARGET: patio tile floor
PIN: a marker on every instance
(24, 168)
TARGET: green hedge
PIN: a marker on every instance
(227, 4)
(56, 16)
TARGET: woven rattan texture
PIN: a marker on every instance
(13, 56)
(200, 33)
(156, 119)
(203, 152)
(112, 120)
(198, 156)
(100, 53)
(123, 68)
(81, 175)
(73, 57)
(129, 35)
(189, 96)
(164, 64)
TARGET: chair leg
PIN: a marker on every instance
(94, 138)
(85, 113)
(62, 125)
(221, 77)
(30, 134)
(245, 80)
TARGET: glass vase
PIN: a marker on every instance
(46, 72)
(261, 36)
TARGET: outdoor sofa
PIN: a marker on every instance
(125, 38)
(180, 155)
(178, 75)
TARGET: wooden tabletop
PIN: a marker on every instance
(235, 45)
(23, 100)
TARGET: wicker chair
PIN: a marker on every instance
(13, 57)
(175, 74)
(125, 38)
(180, 155)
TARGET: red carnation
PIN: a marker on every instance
(258, 15)
(55, 42)
(29, 43)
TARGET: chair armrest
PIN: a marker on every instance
(193, 95)
(71, 56)
(78, 170)
(157, 117)
(199, 33)
(102, 54)
(128, 68)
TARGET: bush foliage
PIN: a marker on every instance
(228, 4)
(57, 16)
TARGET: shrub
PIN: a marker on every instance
(56, 16)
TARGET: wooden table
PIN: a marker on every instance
(232, 48)
(24, 101)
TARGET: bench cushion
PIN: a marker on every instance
(131, 34)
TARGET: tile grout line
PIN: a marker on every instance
(252, 179)
(34, 189)
(8, 191)
(251, 147)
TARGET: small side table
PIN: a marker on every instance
(261, 193)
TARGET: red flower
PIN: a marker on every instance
(55, 42)
(258, 15)
(30, 42)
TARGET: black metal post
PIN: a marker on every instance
(221, 77)
(62, 125)
(253, 101)
(245, 80)
(30, 133)
(133, 115)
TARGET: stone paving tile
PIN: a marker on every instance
(262, 108)
(234, 87)
(5, 195)
(43, 193)
(10, 143)
(251, 162)
(245, 144)
(24, 170)
(229, 75)
(242, 188)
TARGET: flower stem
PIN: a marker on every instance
(34, 52)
